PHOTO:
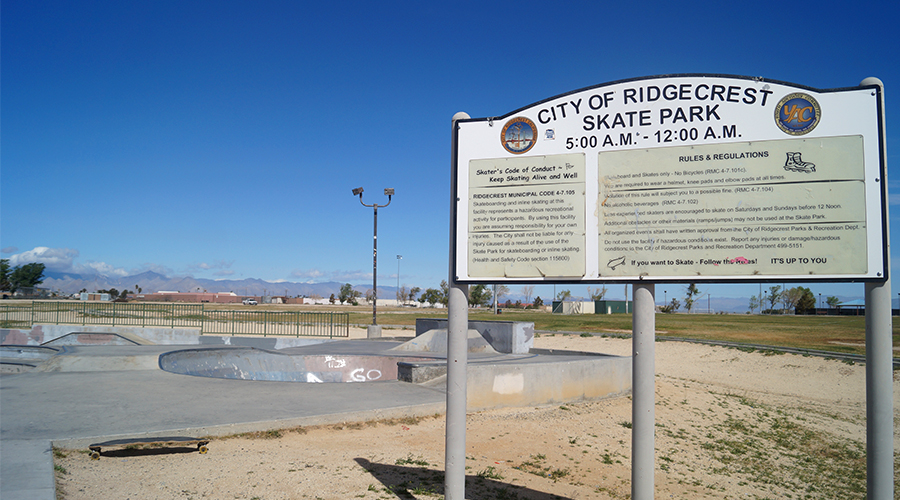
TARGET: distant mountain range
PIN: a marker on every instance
(151, 282)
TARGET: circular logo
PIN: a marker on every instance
(518, 135)
(797, 114)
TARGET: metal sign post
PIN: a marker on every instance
(457, 357)
(879, 368)
(643, 391)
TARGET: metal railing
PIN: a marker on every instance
(176, 315)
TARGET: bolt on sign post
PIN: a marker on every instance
(673, 179)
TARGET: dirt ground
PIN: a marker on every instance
(729, 424)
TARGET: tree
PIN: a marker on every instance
(773, 297)
(500, 291)
(691, 291)
(26, 276)
(789, 298)
(807, 301)
(563, 295)
(413, 292)
(538, 302)
(331, 299)
(345, 293)
(671, 306)
(445, 293)
(832, 301)
(754, 303)
(597, 293)
(430, 296)
(527, 291)
(402, 293)
(4, 274)
(479, 295)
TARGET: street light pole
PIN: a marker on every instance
(374, 330)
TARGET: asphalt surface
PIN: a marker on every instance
(101, 393)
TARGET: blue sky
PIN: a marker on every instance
(223, 139)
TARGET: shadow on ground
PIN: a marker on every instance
(417, 480)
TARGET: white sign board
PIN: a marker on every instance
(685, 178)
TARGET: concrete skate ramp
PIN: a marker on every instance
(20, 358)
(260, 364)
(436, 341)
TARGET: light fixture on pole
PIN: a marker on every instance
(374, 330)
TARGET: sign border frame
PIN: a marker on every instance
(882, 274)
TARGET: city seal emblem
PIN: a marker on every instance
(518, 135)
(797, 114)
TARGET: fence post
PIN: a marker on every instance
(265, 322)
(232, 323)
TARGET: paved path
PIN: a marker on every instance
(126, 396)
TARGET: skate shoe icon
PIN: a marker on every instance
(796, 164)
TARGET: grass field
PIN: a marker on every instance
(827, 333)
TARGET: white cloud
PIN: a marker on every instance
(307, 274)
(101, 268)
(351, 276)
(315, 275)
(62, 260)
(54, 259)
(206, 266)
(9, 250)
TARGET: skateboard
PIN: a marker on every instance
(149, 443)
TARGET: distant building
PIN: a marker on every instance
(171, 296)
(94, 296)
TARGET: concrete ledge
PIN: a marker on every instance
(552, 378)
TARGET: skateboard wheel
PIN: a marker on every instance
(95, 455)
(203, 449)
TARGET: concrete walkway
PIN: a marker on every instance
(110, 392)
(79, 395)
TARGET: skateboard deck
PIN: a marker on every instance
(149, 443)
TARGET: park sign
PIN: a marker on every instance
(699, 178)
